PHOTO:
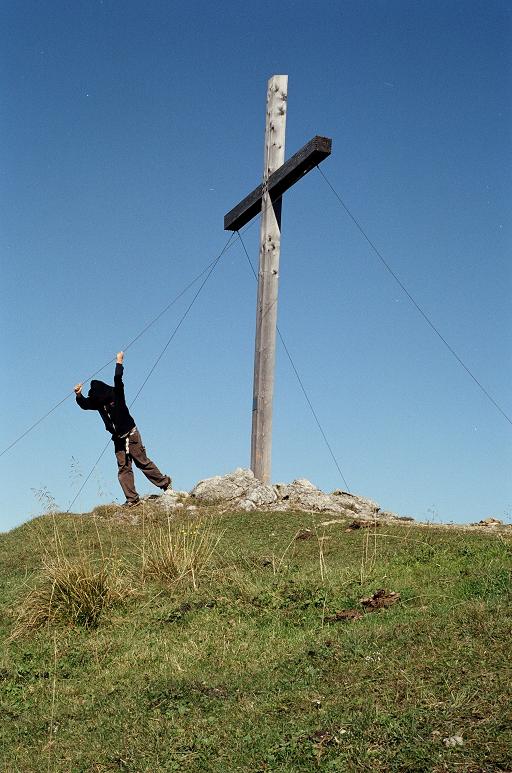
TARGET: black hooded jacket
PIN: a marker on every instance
(111, 404)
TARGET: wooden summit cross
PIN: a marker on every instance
(267, 198)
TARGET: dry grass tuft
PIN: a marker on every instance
(181, 553)
(74, 592)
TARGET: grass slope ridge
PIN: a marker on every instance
(231, 659)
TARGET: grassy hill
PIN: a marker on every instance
(223, 643)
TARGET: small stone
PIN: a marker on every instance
(381, 599)
(453, 740)
(345, 615)
(362, 524)
(304, 534)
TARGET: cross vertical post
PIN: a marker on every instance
(268, 279)
(278, 177)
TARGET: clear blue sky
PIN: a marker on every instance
(130, 128)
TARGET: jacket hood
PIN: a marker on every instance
(101, 393)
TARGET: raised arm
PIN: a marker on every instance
(118, 375)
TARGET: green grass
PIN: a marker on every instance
(238, 668)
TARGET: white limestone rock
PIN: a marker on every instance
(241, 489)
(280, 507)
(262, 494)
(292, 491)
(490, 523)
(247, 505)
(226, 488)
(357, 504)
(169, 500)
(301, 494)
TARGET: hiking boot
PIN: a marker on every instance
(168, 485)
(131, 503)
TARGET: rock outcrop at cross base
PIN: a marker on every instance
(241, 490)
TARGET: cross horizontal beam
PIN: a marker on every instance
(283, 178)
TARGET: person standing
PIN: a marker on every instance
(110, 403)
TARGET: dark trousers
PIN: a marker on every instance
(137, 453)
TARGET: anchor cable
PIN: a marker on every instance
(151, 370)
(227, 246)
(301, 384)
(413, 301)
